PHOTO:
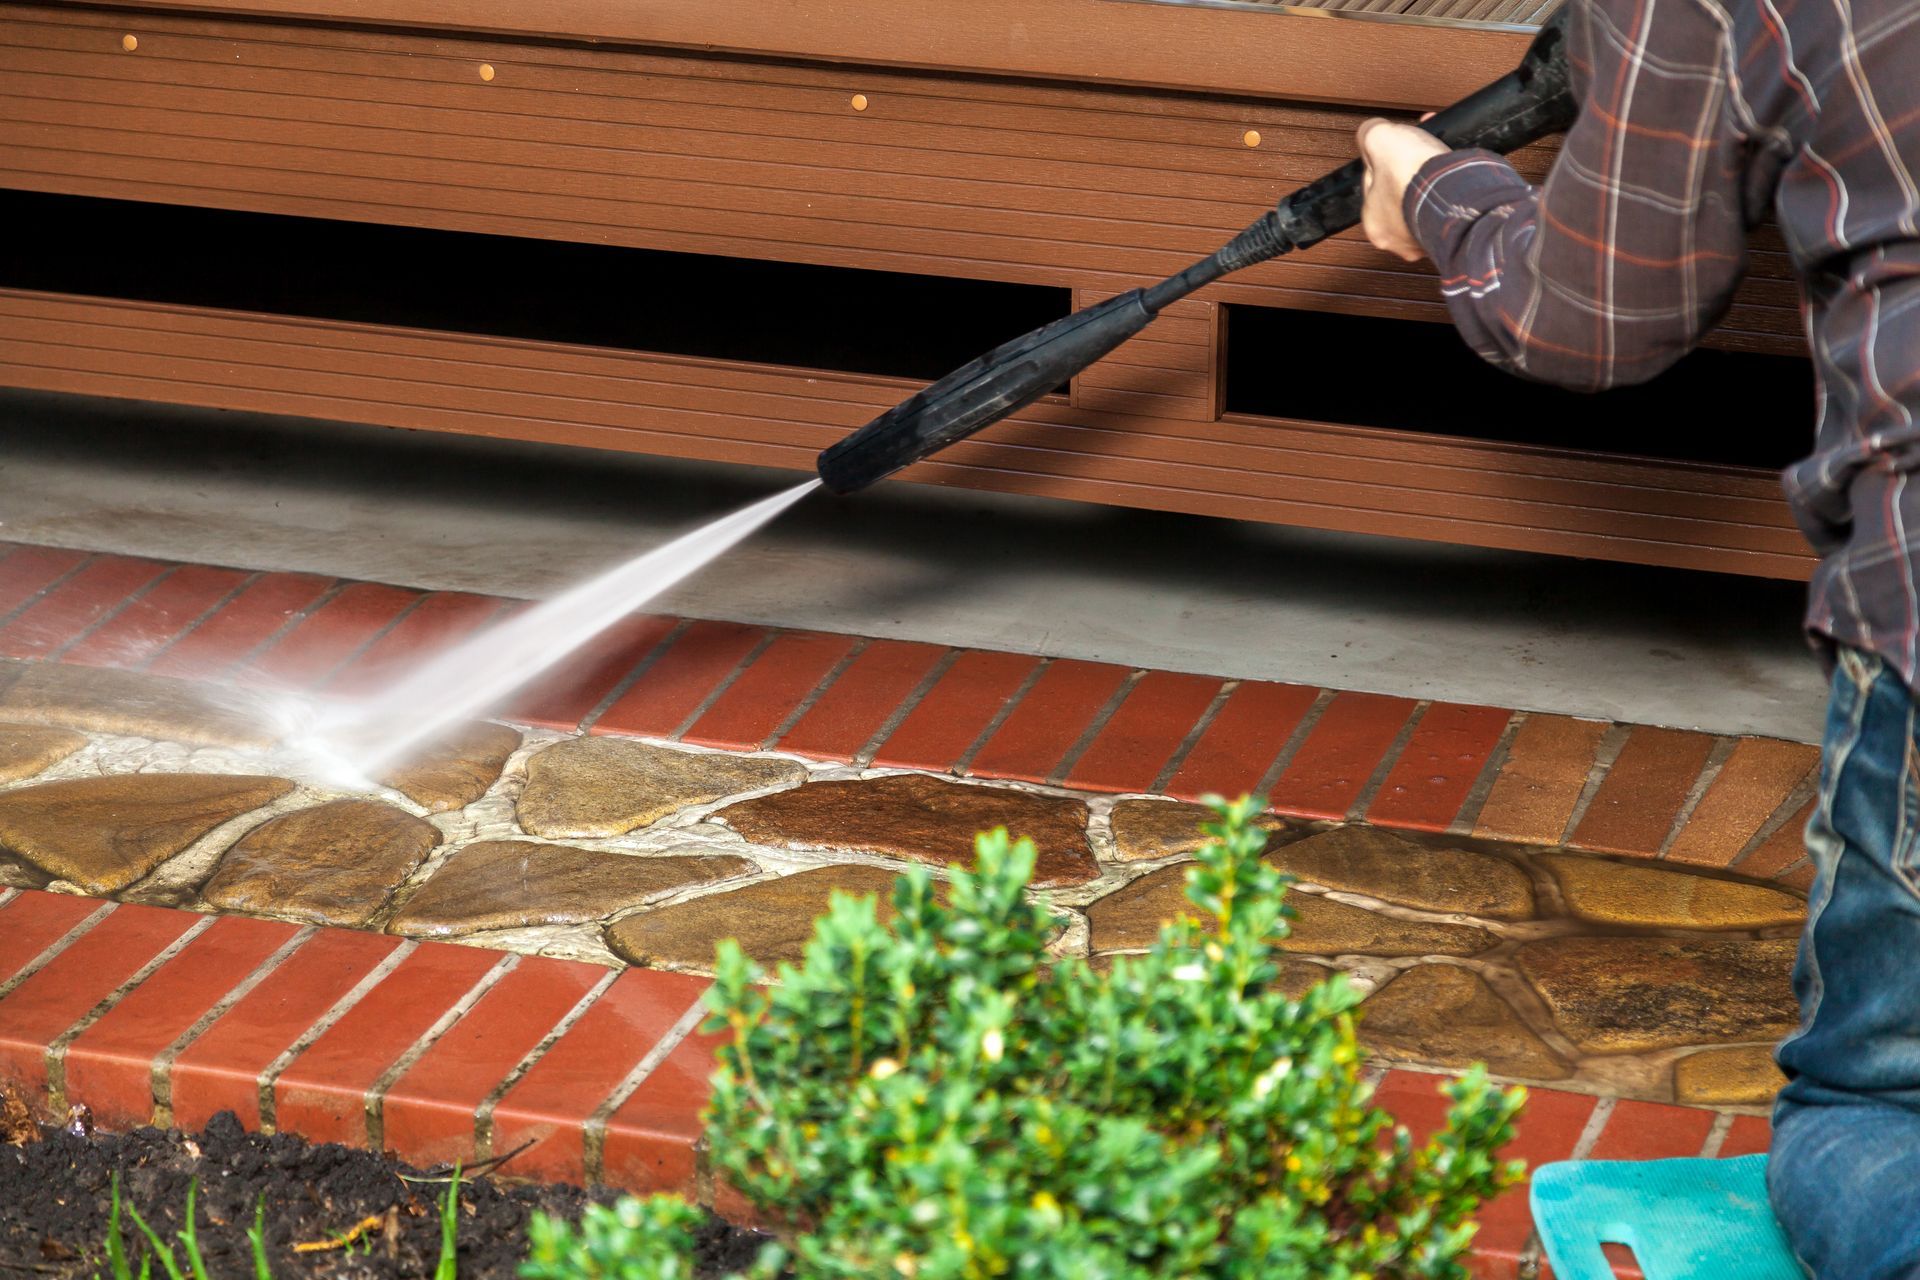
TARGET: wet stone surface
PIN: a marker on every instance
(1392, 868)
(1447, 1015)
(588, 787)
(457, 771)
(518, 884)
(1654, 897)
(1130, 919)
(1618, 995)
(102, 700)
(1148, 829)
(772, 919)
(104, 834)
(26, 749)
(336, 863)
(1643, 979)
(1740, 1077)
(920, 819)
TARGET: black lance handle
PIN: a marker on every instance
(1530, 102)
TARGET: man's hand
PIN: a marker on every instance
(1393, 154)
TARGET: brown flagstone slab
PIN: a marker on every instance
(27, 749)
(920, 819)
(1393, 868)
(517, 884)
(1297, 975)
(1447, 1015)
(105, 700)
(772, 920)
(336, 863)
(103, 834)
(1619, 995)
(457, 770)
(1129, 919)
(1739, 1077)
(1148, 829)
(1655, 896)
(587, 787)
(1757, 777)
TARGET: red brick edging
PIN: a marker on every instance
(439, 1052)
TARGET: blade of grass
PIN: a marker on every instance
(191, 1239)
(448, 1268)
(116, 1247)
(160, 1250)
(257, 1237)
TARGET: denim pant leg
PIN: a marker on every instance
(1845, 1170)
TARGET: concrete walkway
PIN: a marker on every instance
(1661, 647)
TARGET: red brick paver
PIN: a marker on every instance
(323, 1094)
(768, 691)
(704, 656)
(1547, 766)
(157, 618)
(1139, 740)
(565, 697)
(1549, 1129)
(436, 624)
(110, 1065)
(27, 571)
(858, 704)
(222, 1069)
(1643, 793)
(67, 610)
(35, 1014)
(428, 1114)
(1446, 755)
(1338, 758)
(551, 1105)
(937, 733)
(320, 643)
(241, 625)
(35, 921)
(649, 1144)
(1054, 715)
(1753, 783)
(1234, 753)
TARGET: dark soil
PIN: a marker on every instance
(55, 1203)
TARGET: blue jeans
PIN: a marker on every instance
(1845, 1170)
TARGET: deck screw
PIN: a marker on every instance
(129, 43)
(859, 102)
(486, 71)
(1251, 137)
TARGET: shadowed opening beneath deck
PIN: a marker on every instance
(832, 318)
(1728, 407)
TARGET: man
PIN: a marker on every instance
(1698, 119)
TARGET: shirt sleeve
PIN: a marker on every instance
(1631, 250)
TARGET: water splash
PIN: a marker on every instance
(353, 742)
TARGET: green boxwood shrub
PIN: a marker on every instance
(937, 1099)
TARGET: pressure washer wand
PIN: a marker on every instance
(1528, 103)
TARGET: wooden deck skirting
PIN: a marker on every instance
(1085, 144)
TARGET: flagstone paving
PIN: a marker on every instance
(1548, 964)
(1526, 915)
(1609, 910)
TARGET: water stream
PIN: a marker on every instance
(353, 742)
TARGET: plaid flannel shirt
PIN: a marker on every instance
(1698, 118)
